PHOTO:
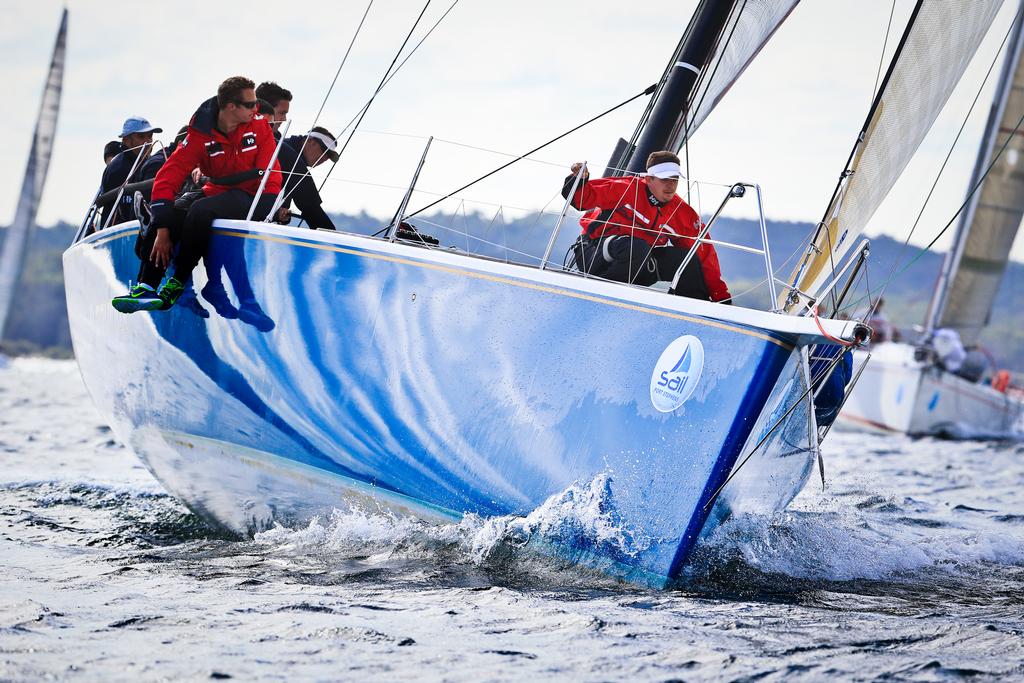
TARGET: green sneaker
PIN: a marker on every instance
(170, 290)
(141, 297)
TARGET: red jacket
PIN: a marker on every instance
(624, 206)
(250, 145)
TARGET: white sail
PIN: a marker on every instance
(936, 48)
(17, 238)
(751, 24)
(977, 259)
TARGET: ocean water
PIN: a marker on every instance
(908, 566)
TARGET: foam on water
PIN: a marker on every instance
(582, 516)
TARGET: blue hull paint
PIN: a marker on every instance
(431, 386)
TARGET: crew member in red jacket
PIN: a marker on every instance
(225, 138)
(638, 230)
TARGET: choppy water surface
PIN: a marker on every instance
(909, 566)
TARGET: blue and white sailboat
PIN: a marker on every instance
(435, 382)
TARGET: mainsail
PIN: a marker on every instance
(936, 48)
(16, 241)
(976, 261)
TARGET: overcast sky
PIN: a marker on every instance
(502, 76)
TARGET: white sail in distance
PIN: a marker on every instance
(977, 260)
(16, 241)
(751, 24)
(937, 46)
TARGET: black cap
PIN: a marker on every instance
(112, 149)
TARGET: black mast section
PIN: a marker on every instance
(691, 56)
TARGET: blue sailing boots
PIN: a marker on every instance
(142, 297)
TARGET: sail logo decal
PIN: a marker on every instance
(677, 373)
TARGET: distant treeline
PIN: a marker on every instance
(39, 321)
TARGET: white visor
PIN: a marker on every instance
(668, 169)
(328, 143)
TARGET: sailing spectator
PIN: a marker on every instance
(881, 328)
(279, 98)
(225, 138)
(638, 230)
(111, 150)
(298, 155)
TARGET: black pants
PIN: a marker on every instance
(190, 231)
(630, 259)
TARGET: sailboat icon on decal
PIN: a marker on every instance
(676, 373)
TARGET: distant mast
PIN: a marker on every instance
(975, 263)
(16, 243)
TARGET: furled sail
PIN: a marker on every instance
(751, 24)
(940, 39)
(976, 261)
(16, 240)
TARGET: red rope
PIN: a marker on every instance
(825, 334)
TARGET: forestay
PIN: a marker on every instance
(751, 24)
(981, 249)
(936, 48)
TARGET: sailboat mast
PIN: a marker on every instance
(951, 263)
(688, 61)
(16, 242)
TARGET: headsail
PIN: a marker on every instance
(16, 241)
(936, 48)
(977, 259)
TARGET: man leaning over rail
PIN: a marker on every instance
(638, 230)
(225, 140)
(298, 155)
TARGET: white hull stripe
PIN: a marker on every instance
(687, 65)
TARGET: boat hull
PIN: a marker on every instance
(897, 393)
(432, 385)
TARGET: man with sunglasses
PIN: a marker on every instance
(225, 138)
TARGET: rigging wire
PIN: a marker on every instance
(380, 86)
(881, 57)
(316, 119)
(646, 91)
(388, 75)
(391, 72)
(343, 60)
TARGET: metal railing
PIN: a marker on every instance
(735, 191)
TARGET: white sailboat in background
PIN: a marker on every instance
(16, 241)
(934, 386)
